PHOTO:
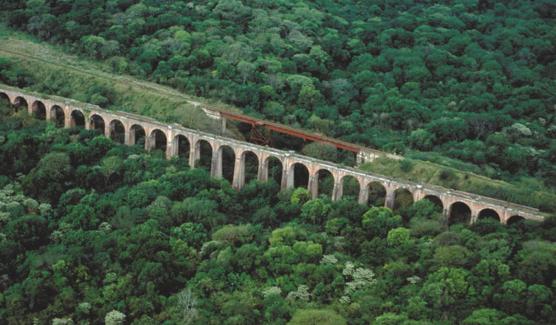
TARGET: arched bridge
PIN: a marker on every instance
(174, 139)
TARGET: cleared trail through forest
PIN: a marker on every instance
(12, 47)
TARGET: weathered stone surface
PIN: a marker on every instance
(94, 115)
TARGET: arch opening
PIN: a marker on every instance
(515, 220)
(325, 182)
(377, 194)
(77, 119)
(251, 166)
(298, 175)
(20, 103)
(158, 140)
(203, 151)
(57, 115)
(350, 188)
(5, 102)
(459, 213)
(403, 198)
(182, 147)
(38, 110)
(117, 131)
(137, 135)
(227, 157)
(489, 214)
(97, 123)
(436, 201)
(273, 168)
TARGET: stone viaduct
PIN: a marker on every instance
(174, 139)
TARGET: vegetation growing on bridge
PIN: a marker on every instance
(99, 232)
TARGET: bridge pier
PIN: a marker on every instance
(363, 195)
(313, 185)
(239, 173)
(222, 125)
(337, 190)
(262, 172)
(478, 206)
(390, 197)
(216, 164)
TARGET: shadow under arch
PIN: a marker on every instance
(137, 135)
(459, 213)
(298, 175)
(57, 116)
(96, 122)
(325, 182)
(20, 103)
(403, 198)
(227, 163)
(38, 110)
(436, 201)
(350, 188)
(488, 214)
(515, 220)
(203, 152)
(117, 131)
(77, 119)
(158, 140)
(377, 194)
(273, 167)
(182, 147)
(250, 163)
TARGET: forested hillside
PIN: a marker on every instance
(471, 79)
(96, 232)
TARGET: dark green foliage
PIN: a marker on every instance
(469, 79)
(117, 229)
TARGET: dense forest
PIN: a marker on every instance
(92, 231)
(471, 79)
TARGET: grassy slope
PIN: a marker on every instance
(43, 61)
(51, 63)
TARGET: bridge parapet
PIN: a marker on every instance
(159, 135)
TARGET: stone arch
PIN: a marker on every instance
(137, 135)
(158, 140)
(57, 115)
(350, 187)
(403, 198)
(273, 169)
(182, 146)
(38, 110)
(435, 200)
(117, 131)
(377, 194)
(324, 180)
(226, 163)
(514, 220)
(96, 122)
(459, 213)
(298, 175)
(489, 214)
(203, 154)
(250, 166)
(20, 102)
(77, 119)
